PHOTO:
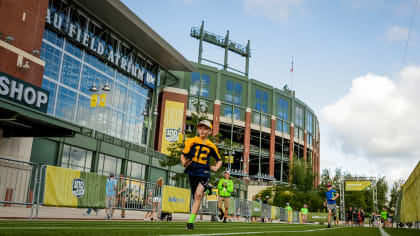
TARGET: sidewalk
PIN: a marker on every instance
(64, 213)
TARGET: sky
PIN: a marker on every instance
(350, 60)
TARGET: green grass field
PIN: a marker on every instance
(105, 228)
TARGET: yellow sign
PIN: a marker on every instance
(93, 100)
(357, 185)
(58, 187)
(214, 194)
(102, 99)
(228, 158)
(273, 212)
(173, 123)
(176, 200)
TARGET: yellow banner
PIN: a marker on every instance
(228, 159)
(273, 212)
(93, 100)
(214, 194)
(290, 215)
(102, 99)
(173, 124)
(357, 185)
(410, 202)
(175, 200)
(59, 185)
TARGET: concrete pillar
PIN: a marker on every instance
(247, 138)
(291, 151)
(272, 146)
(216, 117)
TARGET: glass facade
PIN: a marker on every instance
(76, 158)
(261, 105)
(136, 170)
(69, 74)
(233, 96)
(200, 84)
(108, 164)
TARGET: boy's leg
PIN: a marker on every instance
(198, 195)
(226, 203)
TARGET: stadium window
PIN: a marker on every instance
(283, 109)
(233, 95)
(108, 164)
(76, 158)
(299, 116)
(261, 105)
(171, 180)
(309, 123)
(200, 84)
(136, 170)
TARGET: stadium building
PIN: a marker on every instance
(264, 129)
(79, 86)
(87, 85)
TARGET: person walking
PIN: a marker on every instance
(304, 213)
(196, 159)
(289, 213)
(225, 187)
(121, 195)
(349, 217)
(111, 187)
(330, 203)
(384, 216)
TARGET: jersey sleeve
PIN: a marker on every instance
(187, 147)
(230, 188)
(215, 153)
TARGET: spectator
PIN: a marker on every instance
(384, 216)
(253, 218)
(225, 187)
(149, 205)
(89, 210)
(349, 217)
(372, 219)
(265, 209)
(355, 215)
(362, 217)
(304, 213)
(121, 195)
(289, 213)
(259, 198)
(157, 197)
(111, 186)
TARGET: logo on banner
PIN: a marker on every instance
(78, 189)
(172, 135)
(177, 200)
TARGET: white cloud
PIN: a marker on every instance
(396, 34)
(273, 9)
(374, 129)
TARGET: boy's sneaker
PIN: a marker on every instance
(329, 225)
(190, 225)
(224, 221)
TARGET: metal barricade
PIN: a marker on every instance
(139, 195)
(283, 214)
(296, 217)
(17, 182)
(266, 212)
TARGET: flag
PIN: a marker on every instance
(291, 70)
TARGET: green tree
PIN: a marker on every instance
(394, 194)
(303, 178)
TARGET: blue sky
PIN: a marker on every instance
(332, 43)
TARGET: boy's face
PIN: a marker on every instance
(329, 188)
(203, 131)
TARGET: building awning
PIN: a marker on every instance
(20, 121)
(121, 19)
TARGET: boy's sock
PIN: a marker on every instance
(192, 218)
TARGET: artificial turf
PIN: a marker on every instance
(131, 228)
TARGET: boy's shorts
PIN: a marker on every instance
(195, 180)
(333, 208)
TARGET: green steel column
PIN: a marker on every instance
(248, 55)
(200, 47)
(225, 66)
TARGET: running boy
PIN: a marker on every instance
(196, 158)
(330, 203)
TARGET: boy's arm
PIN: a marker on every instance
(217, 166)
(336, 196)
(184, 161)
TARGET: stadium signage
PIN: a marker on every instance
(175, 199)
(78, 188)
(87, 40)
(19, 91)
